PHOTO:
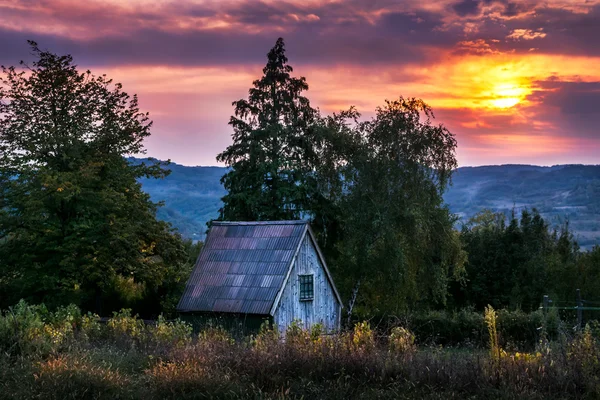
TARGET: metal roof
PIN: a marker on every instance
(242, 266)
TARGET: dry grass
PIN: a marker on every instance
(125, 360)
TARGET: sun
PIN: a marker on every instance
(506, 102)
(507, 95)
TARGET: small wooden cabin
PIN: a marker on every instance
(256, 271)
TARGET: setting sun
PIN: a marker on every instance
(508, 95)
(506, 102)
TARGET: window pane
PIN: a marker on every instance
(306, 287)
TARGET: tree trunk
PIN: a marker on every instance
(351, 302)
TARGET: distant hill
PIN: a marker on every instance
(192, 195)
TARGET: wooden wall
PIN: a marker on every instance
(324, 308)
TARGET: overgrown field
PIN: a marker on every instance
(66, 355)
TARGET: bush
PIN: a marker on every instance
(519, 329)
(516, 329)
(444, 328)
(402, 341)
(170, 333)
(362, 337)
(28, 329)
(90, 327)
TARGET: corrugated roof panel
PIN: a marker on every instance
(242, 266)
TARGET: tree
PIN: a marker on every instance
(75, 225)
(272, 154)
(514, 264)
(399, 246)
(371, 189)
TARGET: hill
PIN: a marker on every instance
(192, 195)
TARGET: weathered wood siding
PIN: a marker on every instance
(324, 308)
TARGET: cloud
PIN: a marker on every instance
(466, 7)
(572, 107)
(526, 34)
(484, 65)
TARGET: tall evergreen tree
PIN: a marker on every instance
(273, 155)
(75, 225)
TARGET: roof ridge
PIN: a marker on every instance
(285, 222)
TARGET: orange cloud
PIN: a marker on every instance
(526, 34)
(483, 65)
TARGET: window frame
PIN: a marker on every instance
(306, 287)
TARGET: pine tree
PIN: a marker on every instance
(273, 154)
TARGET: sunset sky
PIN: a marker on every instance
(515, 81)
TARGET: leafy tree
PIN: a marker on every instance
(272, 154)
(75, 225)
(398, 246)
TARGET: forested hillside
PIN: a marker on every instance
(192, 195)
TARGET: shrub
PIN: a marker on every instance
(316, 331)
(29, 329)
(445, 328)
(584, 353)
(467, 328)
(126, 329)
(212, 335)
(519, 329)
(362, 337)
(171, 333)
(295, 335)
(402, 341)
(494, 343)
(267, 337)
(90, 327)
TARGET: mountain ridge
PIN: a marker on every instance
(192, 195)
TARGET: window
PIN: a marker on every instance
(307, 290)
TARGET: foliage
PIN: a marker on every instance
(90, 327)
(514, 263)
(490, 321)
(373, 189)
(125, 327)
(177, 333)
(402, 340)
(363, 337)
(27, 329)
(398, 241)
(468, 328)
(75, 226)
(271, 156)
(331, 366)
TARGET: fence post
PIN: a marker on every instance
(579, 309)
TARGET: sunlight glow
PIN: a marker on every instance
(507, 95)
(506, 102)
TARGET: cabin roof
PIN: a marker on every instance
(243, 266)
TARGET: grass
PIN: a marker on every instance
(74, 357)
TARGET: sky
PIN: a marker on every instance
(517, 81)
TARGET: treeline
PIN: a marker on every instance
(75, 226)
(513, 263)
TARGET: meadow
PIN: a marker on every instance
(67, 355)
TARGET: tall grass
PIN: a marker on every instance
(64, 354)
